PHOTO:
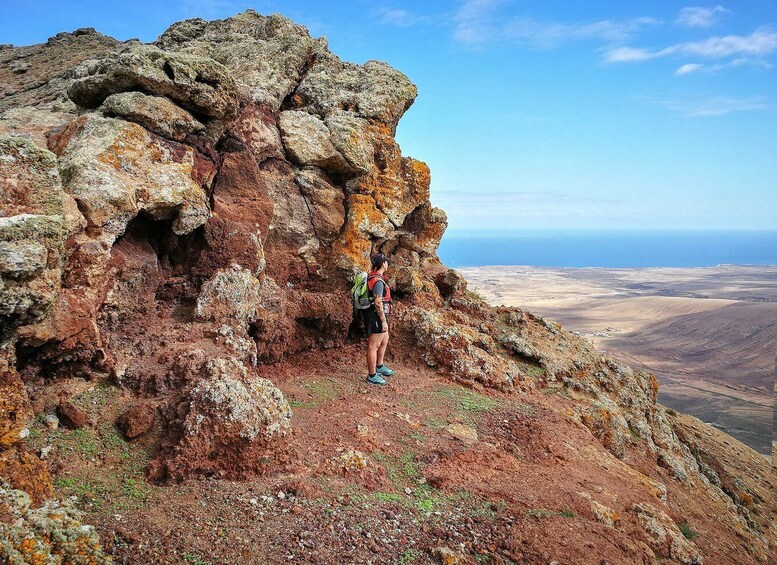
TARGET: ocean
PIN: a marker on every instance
(611, 248)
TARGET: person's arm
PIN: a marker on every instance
(378, 293)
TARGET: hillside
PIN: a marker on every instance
(181, 222)
(708, 334)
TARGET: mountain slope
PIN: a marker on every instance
(181, 223)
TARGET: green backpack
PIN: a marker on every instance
(360, 295)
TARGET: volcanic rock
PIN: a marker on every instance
(49, 534)
(137, 420)
(155, 113)
(231, 425)
(71, 415)
(307, 142)
(198, 84)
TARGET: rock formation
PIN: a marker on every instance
(179, 216)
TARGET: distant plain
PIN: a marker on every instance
(709, 334)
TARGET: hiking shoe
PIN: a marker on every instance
(376, 380)
(385, 371)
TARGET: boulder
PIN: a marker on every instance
(306, 139)
(232, 295)
(199, 84)
(466, 434)
(231, 424)
(237, 405)
(71, 415)
(155, 113)
(450, 283)
(137, 420)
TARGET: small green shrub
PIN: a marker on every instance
(195, 559)
(687, 530)
(408, 556)
(387, 497)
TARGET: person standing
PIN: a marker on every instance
(376, 320)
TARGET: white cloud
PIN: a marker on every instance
(761, 42)
(474, 21)
(477, 23)
(628, 55)
(716, 106)
(547, 35)
(739, 62)
(402, 18)
(695, 16)
(688, 69)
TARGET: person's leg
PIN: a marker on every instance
(373, 344)
(382, 348)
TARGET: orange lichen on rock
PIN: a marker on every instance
(15, 409)
(131, 145)
(364, 222)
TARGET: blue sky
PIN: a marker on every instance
(542, 114)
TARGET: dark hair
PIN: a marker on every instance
(377, 260)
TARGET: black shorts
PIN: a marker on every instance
(371, 321)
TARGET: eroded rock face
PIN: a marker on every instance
(233, 294)
(115, 169)
(664, 537)
(199, 84)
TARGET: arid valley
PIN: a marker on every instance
(708, 334)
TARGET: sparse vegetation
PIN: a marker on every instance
(94, 398)
(294, 403)
(387, 497)
(435, 423)
(122, 488)
(476, 295)
(323, 390)
(195, 559)
(687, 530)
(525, 409)
(408, 556)
(545, 513)
(468, 400)
(560, 391)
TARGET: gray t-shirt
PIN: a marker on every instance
(377, 290)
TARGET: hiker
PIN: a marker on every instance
(376, 320)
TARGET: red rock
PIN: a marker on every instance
(70, 415)
(138, 420)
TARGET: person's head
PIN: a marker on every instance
(379, 261)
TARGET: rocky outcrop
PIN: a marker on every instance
(199, 84)
(231, 425)
(155, 113)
